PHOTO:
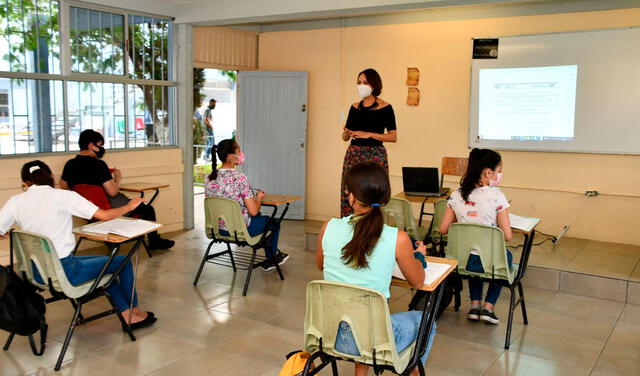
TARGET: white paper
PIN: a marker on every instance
(523, 223)
(433, 271)
(123, 227)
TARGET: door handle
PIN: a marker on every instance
(304, 108)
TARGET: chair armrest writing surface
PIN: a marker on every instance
(274, 200)
(142, 186)
(432, 286)
(85, 232)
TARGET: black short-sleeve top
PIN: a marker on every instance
(84, 169)
(370, 120)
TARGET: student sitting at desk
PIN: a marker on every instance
(44, 210)
(479, 200)
(230, 183)
(89, 168)
(360, 249)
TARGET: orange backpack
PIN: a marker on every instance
(294, 366)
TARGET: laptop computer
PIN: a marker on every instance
(422, 181)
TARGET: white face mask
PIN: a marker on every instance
(364, 90)
(495, 183)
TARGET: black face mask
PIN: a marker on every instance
(212, 106)
(100, 152)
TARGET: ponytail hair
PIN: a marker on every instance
(479, 159)
(369, 184)
(37, 173)
(222, 150)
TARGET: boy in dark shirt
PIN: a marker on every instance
(88, 168)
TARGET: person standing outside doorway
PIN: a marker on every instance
(208, 122)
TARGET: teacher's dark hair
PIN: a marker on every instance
(41, 175)
(374, 80)
(223, 149)
(479, 159)
(369, 184)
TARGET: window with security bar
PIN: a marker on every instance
(66, 67)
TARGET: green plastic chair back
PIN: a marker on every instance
(216, 208)
(398, 213)
(488, 241)
(439, 208)
(367, 313)
(33, 248)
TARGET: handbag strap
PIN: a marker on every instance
(43, 339)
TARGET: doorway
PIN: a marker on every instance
(220, 85)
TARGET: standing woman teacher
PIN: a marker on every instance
(366, 125)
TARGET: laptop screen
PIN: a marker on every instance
(420, 179)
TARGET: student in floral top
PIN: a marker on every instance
(479, 200)
(229, 183)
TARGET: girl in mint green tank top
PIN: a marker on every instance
(361, 250)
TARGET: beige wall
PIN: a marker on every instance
(545, 185)
(155, 166)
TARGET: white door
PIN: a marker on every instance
(272, 132)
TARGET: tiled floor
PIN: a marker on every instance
(211, 329)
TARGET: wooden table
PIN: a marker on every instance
(423, 200)
(141, 187)
(430, 310)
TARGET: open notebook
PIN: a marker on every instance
(433, 271)
(122, 227)
(523, 223)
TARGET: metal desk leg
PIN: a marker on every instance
(426, 324)
(152, 198)
(421, 212)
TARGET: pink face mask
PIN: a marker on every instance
(495, 183)
(240, 158)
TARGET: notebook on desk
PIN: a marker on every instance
(422, 181)
(433, 271)
(523, 223)
(123, 227)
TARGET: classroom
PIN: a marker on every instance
(410, 187)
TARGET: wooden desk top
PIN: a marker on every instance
(452, 265)
(271, 199)
(518, 231)
(141, 186)
(420, 199)
(111, 238)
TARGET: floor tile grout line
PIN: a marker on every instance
(634, 269)
(606, 342)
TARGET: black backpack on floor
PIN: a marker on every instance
(22, 310)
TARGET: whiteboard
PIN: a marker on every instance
(607, 89)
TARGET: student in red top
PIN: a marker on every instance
(88, 168)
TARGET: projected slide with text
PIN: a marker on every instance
(527, 104)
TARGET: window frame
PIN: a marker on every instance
(66, 74)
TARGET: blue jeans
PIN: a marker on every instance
(475, 285)
(405, 327)
(80, 269)
(210, 142)
(257, 226)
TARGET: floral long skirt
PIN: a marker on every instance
(354, 155)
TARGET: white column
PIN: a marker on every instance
(183, 71)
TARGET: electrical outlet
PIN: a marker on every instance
(591, 193)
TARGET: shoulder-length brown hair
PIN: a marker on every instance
(374, 80)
